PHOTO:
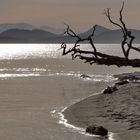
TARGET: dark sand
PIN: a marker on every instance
(118, 112)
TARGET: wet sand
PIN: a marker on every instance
(118, 112)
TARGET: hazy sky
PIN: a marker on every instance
(80, 14)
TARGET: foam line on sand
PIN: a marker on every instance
(62, 120)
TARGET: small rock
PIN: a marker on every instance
(84, 76)
(110, 89)
(97, 130)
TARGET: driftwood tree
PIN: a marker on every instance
(94, 56)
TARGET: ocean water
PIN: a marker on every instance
(37, 83)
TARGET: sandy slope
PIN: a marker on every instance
(118, 112)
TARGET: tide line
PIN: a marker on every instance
(64, 121)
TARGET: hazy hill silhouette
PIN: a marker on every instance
(25, 26)
(27, 34)
(52, 30)
(115, 36)
(99, 30)
(34, 35)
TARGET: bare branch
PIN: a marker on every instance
(70, 32)
(94, 56)
(107, 13)
(79, 40)
(128, 38)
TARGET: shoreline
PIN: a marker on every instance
(104, 110)
(64, 121)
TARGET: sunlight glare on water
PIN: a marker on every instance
(24, 51)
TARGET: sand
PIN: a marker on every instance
(119, 112)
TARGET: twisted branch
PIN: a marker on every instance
(128, 38)
(94, 56)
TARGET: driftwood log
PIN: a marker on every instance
(94, 56)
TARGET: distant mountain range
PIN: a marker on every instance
(99, 30)
(26, 33)
(25, 26)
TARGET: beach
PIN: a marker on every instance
(119, 112)
(37, 83)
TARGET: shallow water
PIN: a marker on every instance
(36, 83)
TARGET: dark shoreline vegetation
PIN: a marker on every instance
(118, 112)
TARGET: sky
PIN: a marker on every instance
(79, 14)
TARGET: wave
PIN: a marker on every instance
(58, 113)
(96, 78)
(28, 72)
(23, 69)
(17, 75)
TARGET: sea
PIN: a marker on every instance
(37, 84)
